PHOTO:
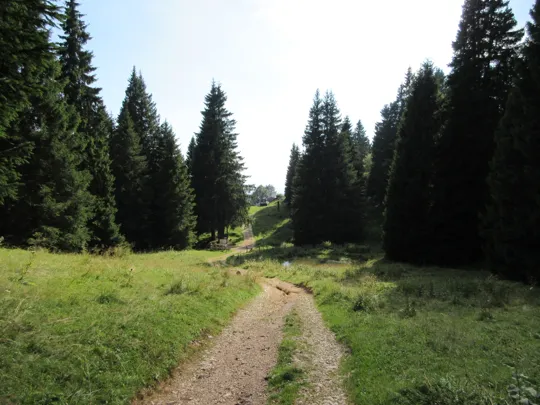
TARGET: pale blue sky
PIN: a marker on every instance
(270, 56)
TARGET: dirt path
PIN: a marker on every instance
(320, 356)
(233, 370)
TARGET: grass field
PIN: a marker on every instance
(271, 226)
(81, 329)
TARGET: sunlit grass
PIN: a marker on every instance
(271, 226)
(84, 329)
(420, 335)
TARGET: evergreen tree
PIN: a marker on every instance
(25, 53)
(327, 202)
(144, 114)
(512, 222)
(485, 53)
(346, 126)
(172, 214)
(139, 126)
(361, 141)
(130, 173)
(384, 143)
(217, 168)
(408, 195)
(189, 155)
(52, 205)
(308, 212)
(291, 173)
(95, 127)
(382, 154)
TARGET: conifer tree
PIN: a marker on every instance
(291, 173)
(327, 201)
(138, 122)
(384, 143)
(52, 206)
(511, 224)
(217, 169)
(143, 112)
(382, 154)
(95, 127)
(485, 52)
(361, 141)
(25, 52)
(172, 217)
(308, 212)
(130, 173)
(189, 155)
(408, 195)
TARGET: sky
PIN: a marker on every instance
(270, 56)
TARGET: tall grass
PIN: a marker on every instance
(421, 335)
(81, 329)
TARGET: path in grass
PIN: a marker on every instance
(235, 368)
(321, 355)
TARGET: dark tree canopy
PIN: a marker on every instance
(172, 217)
(95, 126)
(511, 225)
(52, 205)
(384, 143)
(291, 173)
(131, 180)
(408, 195)
(25, 56)
(328, 197)
(483, 67)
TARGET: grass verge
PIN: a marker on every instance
(81, 329)
(271, 226)
(421, 335)
(286, 379)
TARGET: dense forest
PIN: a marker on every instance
(72, 177)
(455, 159)
(453, 167)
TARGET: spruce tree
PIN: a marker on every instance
(172, 214)
(342, 186)
(361, 141)
(217, 169)
(327, 201)
(131, 180)
(25, 53)
(143, 112)
(485, 52)
(408, 195)
(52, 206)
(291, 173)
(384, 143)
(189, 155)
(138, 123)
(308, 210)
(382, 154)
(511, 225)
(95, 127)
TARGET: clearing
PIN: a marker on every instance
(83, 329)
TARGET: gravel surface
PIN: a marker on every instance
(234, 369)
(320, 356)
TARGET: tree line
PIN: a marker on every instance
(72, 177)
(455, 159)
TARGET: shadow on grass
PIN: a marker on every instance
(324, 253)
